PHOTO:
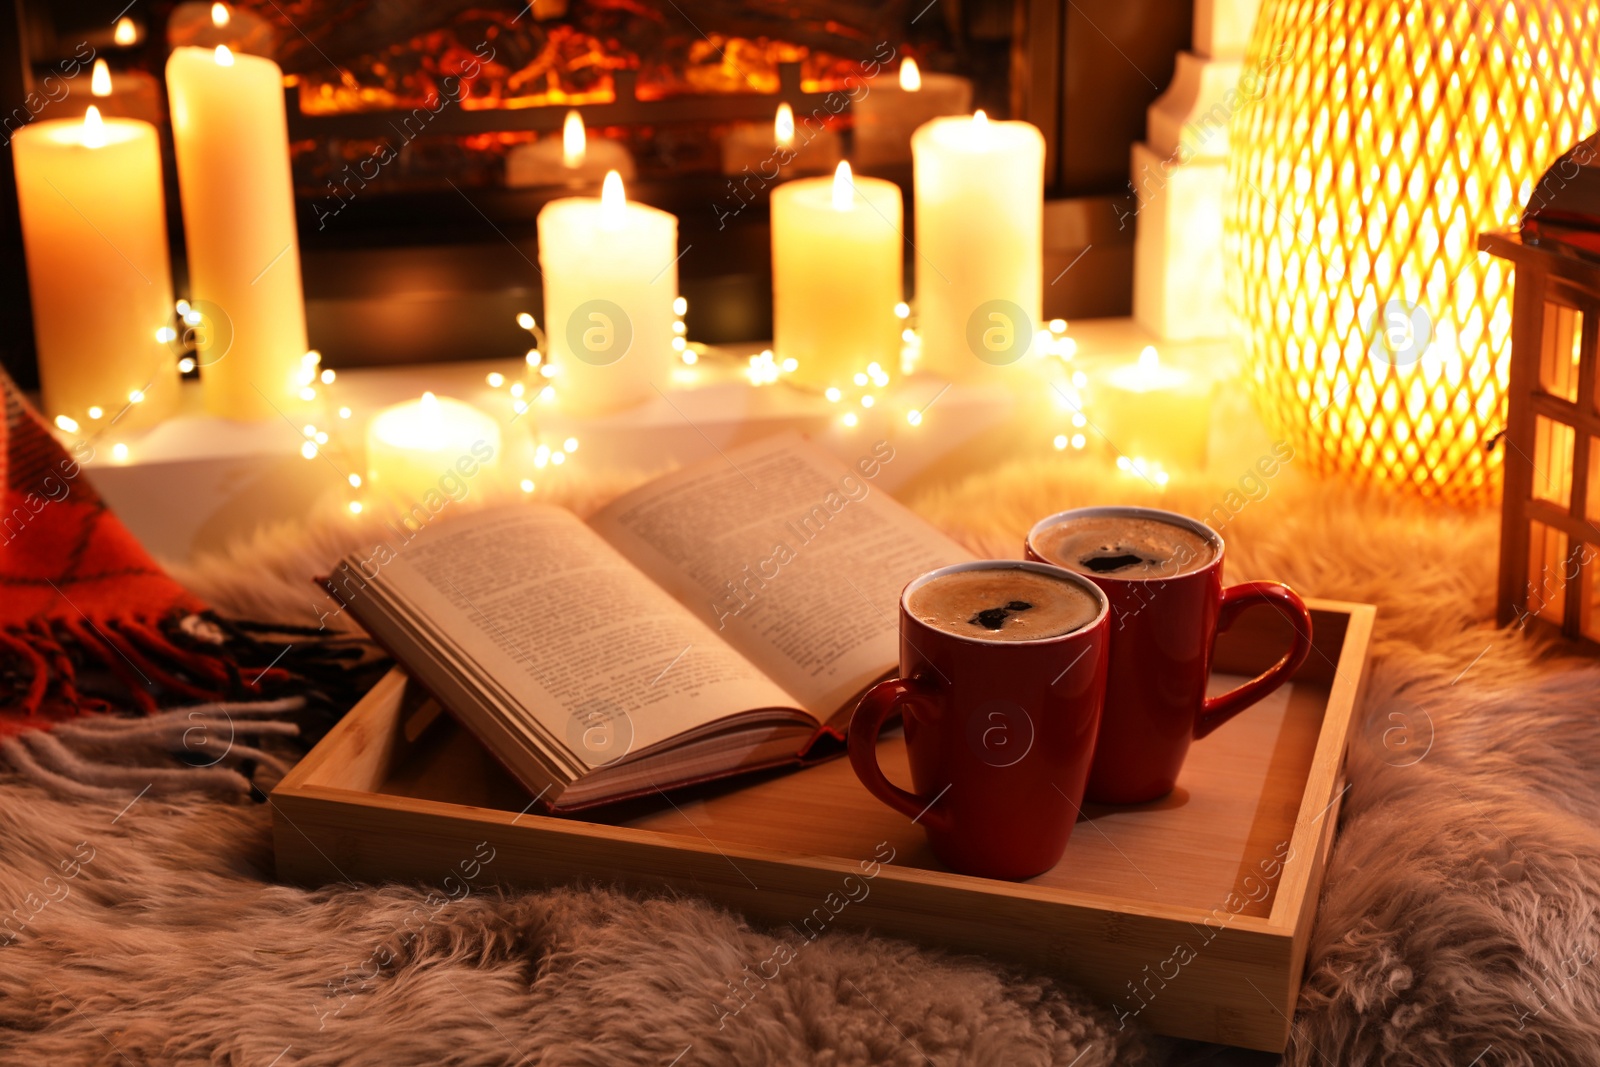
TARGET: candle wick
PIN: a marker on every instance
(783, 127)
(844, 188)
(574, 140)
(94, 130)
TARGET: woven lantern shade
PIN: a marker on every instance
(1381, 137)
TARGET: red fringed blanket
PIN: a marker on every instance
(96, 640)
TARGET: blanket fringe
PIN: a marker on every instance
(104, 757)
(142, 664)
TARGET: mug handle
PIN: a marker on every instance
(881, 701)
(1235, 599)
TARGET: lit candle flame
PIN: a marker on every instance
(94, 130)
(430, 405)
(612, 201)
(126, 32)
(574, 142)
(219, 15)
(844, 188)
(1149, 359)
(980, 121)
(910, 76)
(100, 80)
(783, 127)
(224, 57)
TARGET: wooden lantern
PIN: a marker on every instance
(1549, 536)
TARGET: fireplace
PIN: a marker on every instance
(403, 115)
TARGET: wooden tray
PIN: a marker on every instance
(1190, 914)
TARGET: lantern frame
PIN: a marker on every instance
(1550, 510)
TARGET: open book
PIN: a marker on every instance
(721, 619)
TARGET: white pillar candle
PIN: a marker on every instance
(1154, 412)
(836, 276)
(780, 150)
(895, 105)
(434, 445)
(574, 158)
(127, 94)
(980, 242)
(232, 143)
(95, 234)
(610, 278)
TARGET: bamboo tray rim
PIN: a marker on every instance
(1241, 991)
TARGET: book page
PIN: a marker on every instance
(561, 622)
(794, 557)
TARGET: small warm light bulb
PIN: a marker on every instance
(225, 57)
(495, 379)
(783, 127)
(612, 201)
(525, 320)
(570, 444)
(910, 76)
(355, 507)
(119, 452)
(136, 396)
(186, 365)
(67, 423)
(94, 129)
(844, 188)
(680, 306)
(100, 80)
(574, 142)
(355, 481)
(980, 121)
(126, 32)
(96, 412)
(219, 15)
(527, 485)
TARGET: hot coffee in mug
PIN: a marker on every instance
(1002, 604)
(1002, 674)
(1127, 547)
(1162, 574)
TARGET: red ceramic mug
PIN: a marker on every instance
(999, 733)
(1162, 630)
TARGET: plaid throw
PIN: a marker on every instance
(111, 674)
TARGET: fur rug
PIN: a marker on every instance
(1457, 922)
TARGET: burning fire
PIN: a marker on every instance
(571, 67)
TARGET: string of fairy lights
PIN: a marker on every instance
(331, 430)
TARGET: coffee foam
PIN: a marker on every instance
(1124, 546)
(1003, 604)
